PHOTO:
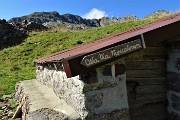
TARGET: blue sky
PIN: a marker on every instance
(86, 8)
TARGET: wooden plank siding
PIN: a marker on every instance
(146, 83)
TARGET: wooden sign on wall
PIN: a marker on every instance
(110, 53)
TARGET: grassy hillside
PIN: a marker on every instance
(16, 63)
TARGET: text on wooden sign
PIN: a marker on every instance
(110, 53)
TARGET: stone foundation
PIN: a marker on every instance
(105, 95)
(115, 115)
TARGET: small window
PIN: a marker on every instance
(119, 69)
(113, 70)
(89, 77)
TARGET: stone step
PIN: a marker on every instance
(39, 102)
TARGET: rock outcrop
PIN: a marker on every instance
(32, 26)
(13, 33)
(7, 32)
(69, 21)
(44, 17)
(109, 21)
(158, 14)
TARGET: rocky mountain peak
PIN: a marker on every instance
(74, 22)
(158, 14)
(44, 14)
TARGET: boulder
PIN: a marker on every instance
(7, 32)
(32, 26)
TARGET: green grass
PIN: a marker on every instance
(16, 63)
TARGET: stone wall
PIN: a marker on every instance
(22, 101)
(95, 93)
(173, 76)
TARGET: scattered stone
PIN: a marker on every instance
(17, 119)
(6, 111)
(1, 105)
(1, 100)
(24, 22)
(1, 111)
(6, 97)
(10, 114)
(32, 26)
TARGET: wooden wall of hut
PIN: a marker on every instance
(146, 83)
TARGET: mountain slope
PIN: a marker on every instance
(17, 61)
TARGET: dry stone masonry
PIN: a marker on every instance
(105, 95)
(173, 76)
(99, 94)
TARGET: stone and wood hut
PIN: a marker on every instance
(133, 74)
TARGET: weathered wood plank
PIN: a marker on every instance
(153, 51)
(146, 78)
(146, 58)
(148, 110)
(145, 65)
(146, 81)
(145, 73)
(131, 89)
(160, 44)
(149, 54)
(156, 116)
(143, 102)
(145, 89)
(106, 54)
(151, 89)
(150, 95)
(134, 96)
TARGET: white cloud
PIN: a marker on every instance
(95, 13)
